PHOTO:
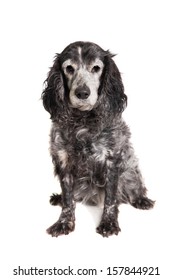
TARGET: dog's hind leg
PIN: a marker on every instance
(131, 182)
(143, 203)
(56, 199)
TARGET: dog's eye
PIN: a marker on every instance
(70, 70)
(95, 69)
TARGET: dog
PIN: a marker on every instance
(89, 141)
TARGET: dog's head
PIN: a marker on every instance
(83, 76)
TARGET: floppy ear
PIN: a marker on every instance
(112, 86)
(53, 94)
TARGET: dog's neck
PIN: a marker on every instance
(93, 121)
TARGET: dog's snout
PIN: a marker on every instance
(82, 92)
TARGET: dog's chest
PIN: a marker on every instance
(80, 148)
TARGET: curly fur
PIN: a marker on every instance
(90, 148)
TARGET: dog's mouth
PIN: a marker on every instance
(82, 107)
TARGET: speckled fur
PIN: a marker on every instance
(91, 150)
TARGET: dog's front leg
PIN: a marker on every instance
(66, 221)
(109, 221)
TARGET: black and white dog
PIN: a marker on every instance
(90, 146)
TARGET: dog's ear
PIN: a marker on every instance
(112, 85)
(53, 94)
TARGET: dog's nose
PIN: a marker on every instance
(82, 92)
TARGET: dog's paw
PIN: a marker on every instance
(143, 203)
(61, 228)
(56, 199)
(108, 228)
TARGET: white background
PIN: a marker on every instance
(140, 32)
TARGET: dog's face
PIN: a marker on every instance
(81, 75)
(83, 80)
(82, 66)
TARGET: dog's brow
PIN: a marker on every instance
(68, 62)
(98, 62)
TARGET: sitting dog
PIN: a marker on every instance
(90, 147)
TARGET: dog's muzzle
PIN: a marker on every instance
(83, 98)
